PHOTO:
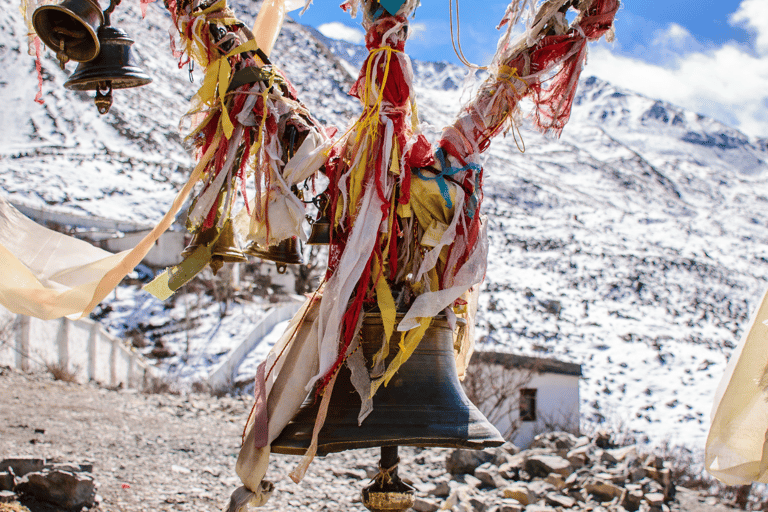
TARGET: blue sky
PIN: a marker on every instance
(710, 56)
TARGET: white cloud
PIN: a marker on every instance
(728, 83)
(417, 30)
(338, 30)
(754, 15)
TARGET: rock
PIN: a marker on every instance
(489, 476)
(7, 481)
(655, 499)
(441, 489)
(654, 461)
(478, 505)
(356, 474)
(603, 440)
(8, 497)
(605, 491)
(519, 493)
(466, 461)
(22, 465)
(622, 453)
(63, 488)
(472, 481)
(558, 500)
(543, 465)
(539, 508)
(632, 499)
(555, 480)
(509, 506)
(425, 505)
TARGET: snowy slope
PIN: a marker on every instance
(634, 245)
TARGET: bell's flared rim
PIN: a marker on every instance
(40, 19)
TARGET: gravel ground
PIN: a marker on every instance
(166, 452)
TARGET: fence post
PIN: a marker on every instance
(22, 342)
(92, 351)
(113, 363)
(62, 340)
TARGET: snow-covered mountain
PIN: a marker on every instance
(635, 244)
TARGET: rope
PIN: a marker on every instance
(456, 40)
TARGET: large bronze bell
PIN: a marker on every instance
(69, 29)
(286, 252)
(423, 405)
(113, 68)
(225, 248)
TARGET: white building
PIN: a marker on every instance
(525, 396)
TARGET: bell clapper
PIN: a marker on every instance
(388, 493)
(103, 100)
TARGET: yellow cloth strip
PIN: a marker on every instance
(165, 284)
(384, 298)
(113, 278)
(408, 344)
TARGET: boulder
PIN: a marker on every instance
(543, 465)
(466, 461)
(7, 481)
(22, 465)
(63, 488)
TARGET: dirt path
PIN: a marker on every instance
(165, 452)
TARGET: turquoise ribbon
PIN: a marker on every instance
(446, 171)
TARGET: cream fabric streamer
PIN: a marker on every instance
(49, 275)
(737, 445)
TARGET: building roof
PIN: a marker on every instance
(537, 364)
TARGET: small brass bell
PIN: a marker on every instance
(225, 248)
(286, 252)
(69, 29)
(321, 227)
(113, 68)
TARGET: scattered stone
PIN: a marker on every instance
(519, 493)
(22, 465)
(472, 481)
(509, 506)
(605, 491)
(489, 476)
(466, 461)
(355, 474)
(441, 489)
(8, 497)
(425, 505)
(556, 481)
(66, 489)
(543, 465)
(558, 500)
(478, 505)
(655, 499)
(7, 481)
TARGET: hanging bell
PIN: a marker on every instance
(225, 248)
(113, 68)
(69, 29)
(321, 227)
(286, 252)
(423, 405)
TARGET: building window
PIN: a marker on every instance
(527, 405)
